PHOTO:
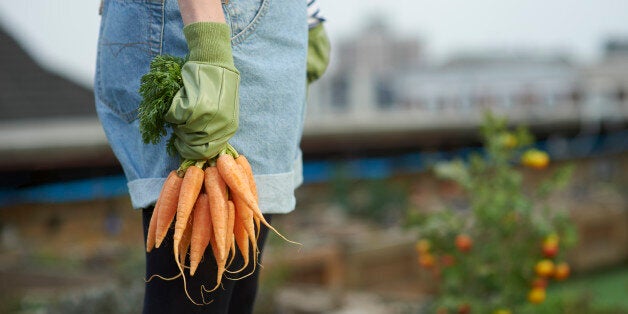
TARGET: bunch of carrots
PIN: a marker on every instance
(213, 203)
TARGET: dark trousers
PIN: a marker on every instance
(234, 296)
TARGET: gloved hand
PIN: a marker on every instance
(205, 110)
(317, 53)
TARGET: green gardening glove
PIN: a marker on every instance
(317, 53)
(205, 110)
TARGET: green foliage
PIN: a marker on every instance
(378, 200)
(506, 219)
(158, 88)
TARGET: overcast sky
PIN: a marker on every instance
(62, 34)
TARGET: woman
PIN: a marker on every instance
(260, 47)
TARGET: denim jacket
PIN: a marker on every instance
(269, 42)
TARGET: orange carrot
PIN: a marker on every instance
(167, 206)
(232, 251)
(218, 209)
(237, 181)
(185, 241)
(150, 237)
(190, 188)
(235, 178)
(230, 225)
(242, 240)
(244, 163)
(248, 171)
(182, 247)
(220, 269)
(217, 197)
(244, 231)
(202, 230)
(245, 216)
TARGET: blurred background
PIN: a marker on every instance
(407, 90)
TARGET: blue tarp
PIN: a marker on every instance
(79, 190)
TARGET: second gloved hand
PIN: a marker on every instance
(317, 52)
(205, 111)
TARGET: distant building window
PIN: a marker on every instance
(340, 92)
(621, 94)
(484, 100)
(385, 94)
(451, 102)
(466, 102)
(528, 97)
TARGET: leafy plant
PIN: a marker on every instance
(501, 252)
(377, 200)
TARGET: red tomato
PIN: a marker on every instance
(464, 243)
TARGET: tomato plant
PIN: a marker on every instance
(502, 250)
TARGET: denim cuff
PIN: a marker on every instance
(144, 192)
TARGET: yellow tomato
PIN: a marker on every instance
(535, 159)
(423, 246)
(544, 268)
(502, 311)
(536, 295)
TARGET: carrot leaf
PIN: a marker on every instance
(157, 89)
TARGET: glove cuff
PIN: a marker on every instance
(210, 42)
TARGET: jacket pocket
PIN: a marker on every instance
(130, 36)
(244, 16)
